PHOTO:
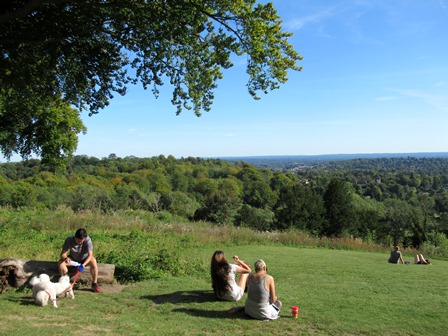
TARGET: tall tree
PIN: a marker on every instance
(86, 51)
(338, 208)
(300, 208)
(403, 223)
(257, 191)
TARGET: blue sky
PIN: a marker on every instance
(374, 80)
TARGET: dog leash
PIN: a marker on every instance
(64, 293)
(79, 269)
(49, 295)
(75, 278)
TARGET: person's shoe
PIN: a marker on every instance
(96, 288)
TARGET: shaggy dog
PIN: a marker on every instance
(47, 290)
(39, 279)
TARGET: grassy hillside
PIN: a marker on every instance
(338, 292)
(351, 291)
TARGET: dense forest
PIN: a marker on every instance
(385, 201)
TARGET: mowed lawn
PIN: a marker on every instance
(338, 292)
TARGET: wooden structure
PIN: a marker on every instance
(17, 272)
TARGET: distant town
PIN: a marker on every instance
(298, 162)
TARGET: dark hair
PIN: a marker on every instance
(220, 269)
(81, 233)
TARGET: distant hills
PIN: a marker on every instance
(297, 160)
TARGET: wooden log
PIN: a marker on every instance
(17, 272)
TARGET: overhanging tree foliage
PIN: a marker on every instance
(85, 51)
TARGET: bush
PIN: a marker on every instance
(145, 256)
(436, 245)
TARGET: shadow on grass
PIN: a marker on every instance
(197, 296)
(24, 301)
(221, 314)
(182, 297)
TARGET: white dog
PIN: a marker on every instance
(39, 279)
(44, 290)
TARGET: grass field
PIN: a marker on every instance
(338, 292)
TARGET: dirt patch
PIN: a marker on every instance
(107, 288)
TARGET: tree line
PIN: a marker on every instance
(407, 205)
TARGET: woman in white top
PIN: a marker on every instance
(262, 302)
(223, 277)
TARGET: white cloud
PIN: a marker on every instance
(347, 14)
(439, 101)
(299, 23)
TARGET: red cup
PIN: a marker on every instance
(295, 311)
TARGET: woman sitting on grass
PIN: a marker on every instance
(262, 302)
(223, 277)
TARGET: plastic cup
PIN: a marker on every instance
(295, 311)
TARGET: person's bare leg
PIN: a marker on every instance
(422, 259)
(62, 267)
(93, 270)
(94, 273)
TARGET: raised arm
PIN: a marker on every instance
(63, 255)
(242, 264)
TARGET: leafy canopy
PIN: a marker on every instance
(84, 51)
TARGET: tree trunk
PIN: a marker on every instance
(17, 272)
